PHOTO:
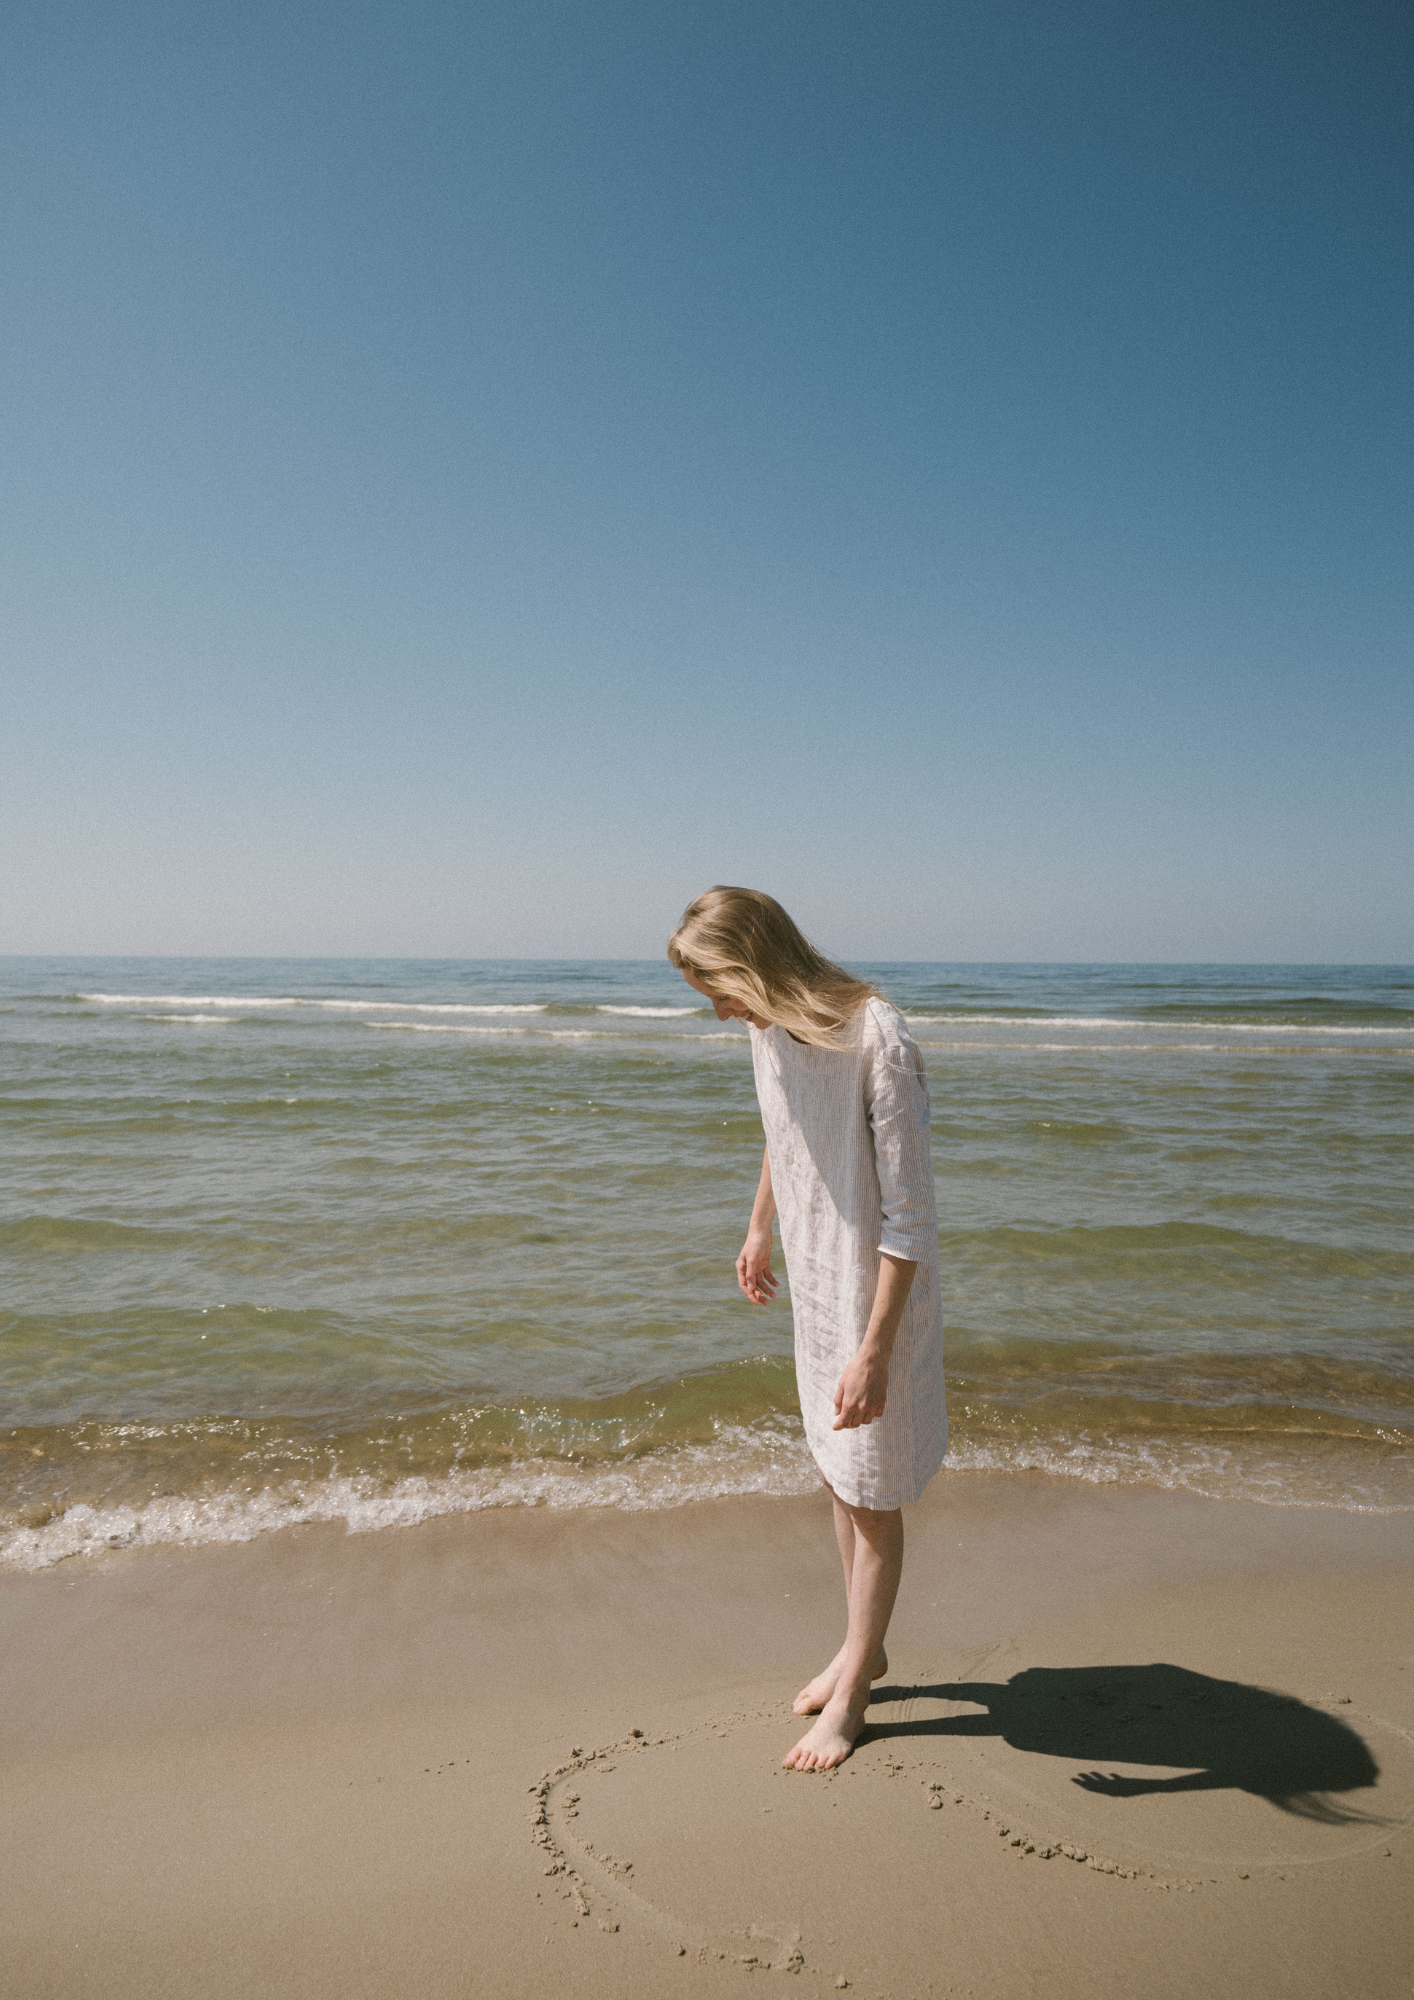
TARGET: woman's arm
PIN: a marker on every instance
(753, 1266)
(896, 1098)
(864, 1385)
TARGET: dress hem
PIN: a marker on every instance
(853, 1498)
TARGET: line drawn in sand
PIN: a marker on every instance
(601, 1885)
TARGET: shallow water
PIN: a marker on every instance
(372, 1240)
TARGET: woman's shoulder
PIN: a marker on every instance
(881, 1024)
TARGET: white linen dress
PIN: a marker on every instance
(851, 1167)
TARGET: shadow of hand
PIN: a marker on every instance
(1113, 1786)
(1215, 1735)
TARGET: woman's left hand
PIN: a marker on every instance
(864, 1385)
(863, 1389)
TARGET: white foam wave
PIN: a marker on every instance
(771, 1461)
(768, 1459)
(1214, 1472)
(652, 1013)
(247, 1003)
(447, 1028)
(1023, 1021)
(1281, 1028)
(1055, 1021)
(301, 1000)
(1082, 1048)
(438, 1028)
(193, 1020)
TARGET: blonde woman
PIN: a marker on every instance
(848, 1169)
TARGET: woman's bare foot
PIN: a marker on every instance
(832, 1738)
(816, 1695)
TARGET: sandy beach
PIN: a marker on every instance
(1130, 1741)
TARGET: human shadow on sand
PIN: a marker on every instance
(1221, 1734)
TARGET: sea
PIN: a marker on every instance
(376, 1240)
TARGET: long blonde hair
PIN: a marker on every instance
(741, 944)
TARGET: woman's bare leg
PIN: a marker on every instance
(816, 1693)
(876, 1563)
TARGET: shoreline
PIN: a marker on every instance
(327, 1762)
(753, 1451)
(85, 1532)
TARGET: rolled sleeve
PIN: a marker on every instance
(896, 1097)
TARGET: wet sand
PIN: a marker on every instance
(1131, 1742)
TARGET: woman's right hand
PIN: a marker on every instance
(753, 1268)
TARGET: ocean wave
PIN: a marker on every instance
(544, 1034)
(47, 1233)
(193, 1020)
(652, 1013)
(743, 1460)
(918, 1017)
(771, 1461)
(1078, 1048)
(439, 1028)
(299, 1000)
(1178, 1242)
(1053, 1021)
(1211, 1472)
(1002, 1019)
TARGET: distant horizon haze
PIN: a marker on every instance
(898, 961)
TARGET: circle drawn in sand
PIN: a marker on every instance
(665, 1835)
(603, 1884)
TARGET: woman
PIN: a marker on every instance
(844, 1101)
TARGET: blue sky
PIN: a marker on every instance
(473, 475)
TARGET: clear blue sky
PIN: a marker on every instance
(473, 475)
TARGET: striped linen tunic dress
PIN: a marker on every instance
(852, 1172)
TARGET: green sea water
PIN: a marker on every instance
(375, 1240)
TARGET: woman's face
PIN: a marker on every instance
(726, 1010)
